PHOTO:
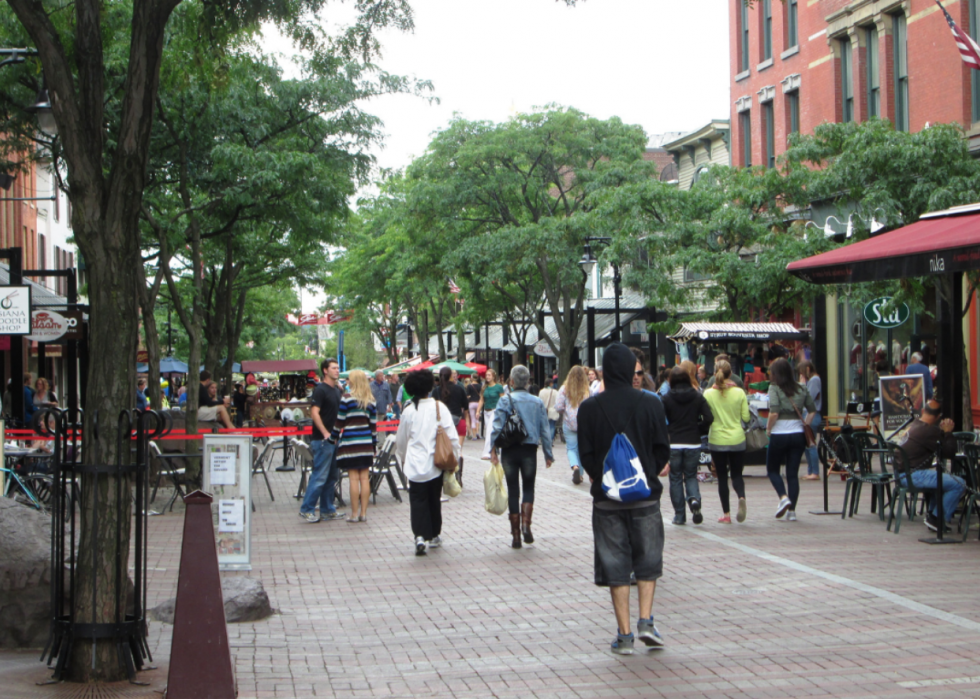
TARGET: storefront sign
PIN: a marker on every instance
(15, 310)
(902, 398)
(76, 327)
(49, 326)
(876, 314)
(543, 349)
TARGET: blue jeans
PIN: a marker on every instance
(552, 424)
(571, 446)
(786, 448)
(683, 476)
(323, 479)
(812, 460)
(953, 488)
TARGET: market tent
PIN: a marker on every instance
(168, 365)
(346, 374)
(480, 369)
(738, 332)
(460, 369)
(423, 365)
(236, 368)
(280, 366)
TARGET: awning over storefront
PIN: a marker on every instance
(939, 243)
(738, 332)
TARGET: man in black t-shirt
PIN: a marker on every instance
(322, 486)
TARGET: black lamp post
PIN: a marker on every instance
(588, 263)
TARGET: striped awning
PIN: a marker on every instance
(738, 332)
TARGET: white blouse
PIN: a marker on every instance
(415, 443)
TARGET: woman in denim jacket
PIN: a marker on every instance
(520, 462)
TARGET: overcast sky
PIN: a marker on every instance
(662, 64)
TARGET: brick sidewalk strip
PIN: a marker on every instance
(820, 607)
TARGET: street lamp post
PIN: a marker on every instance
(588, 263)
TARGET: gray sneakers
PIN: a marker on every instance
(311, 517)
(784, 505)
(623, 645)
(435, 542)
(647, 632)
(791, 516)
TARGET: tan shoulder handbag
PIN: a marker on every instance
(444, 457)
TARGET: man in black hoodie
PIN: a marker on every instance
(628, 536)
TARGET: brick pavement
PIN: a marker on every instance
(822, 607)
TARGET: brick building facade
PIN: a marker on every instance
(798, 63)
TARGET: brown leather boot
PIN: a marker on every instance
(515, 531)
(527, 509)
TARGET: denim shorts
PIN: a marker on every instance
(628, 540)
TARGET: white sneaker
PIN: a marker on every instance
(435, 542)
(784, 505)
(791, 516)
(419, 546)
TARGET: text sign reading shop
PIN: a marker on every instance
(882, 313)
(15, 310)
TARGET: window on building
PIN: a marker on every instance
(792, 24)
(769, 124)
(846, 81)
(900, 38)
(975, 74)
(792, 113)
(690, 276)
(745, 127)
(766, 30)
(874, 76)
(743, 15)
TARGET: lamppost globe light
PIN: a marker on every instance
(587, 263)
(45, 115)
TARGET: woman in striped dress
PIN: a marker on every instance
(355, 432)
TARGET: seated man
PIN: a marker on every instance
(921, 443)
(209, 408)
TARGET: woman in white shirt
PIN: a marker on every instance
(415, 446)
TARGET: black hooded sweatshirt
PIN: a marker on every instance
(636, 414)
(688, 415)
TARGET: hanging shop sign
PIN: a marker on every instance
(15, 310)
(543, 349)
(48, 326)
(881, 313)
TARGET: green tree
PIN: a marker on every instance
(101, 63)
(522, 194)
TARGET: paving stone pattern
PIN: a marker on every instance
(820, 607)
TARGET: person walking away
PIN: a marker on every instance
(726, 438)
(814, 386)
(453, 396)
(355, 437)
(322, 486)
(415, 447)
(473, 404)
(688, 419)
(381, 392)
(520, 461)
(787, 401)
(488, 406)
(570, 397)
(629, 536)
(549, 396)
(918, 367)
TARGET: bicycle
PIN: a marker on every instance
(35, 489)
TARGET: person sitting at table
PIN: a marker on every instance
(924, 435)
(209, 408)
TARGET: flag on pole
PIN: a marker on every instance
(453, 288)
(969, 50)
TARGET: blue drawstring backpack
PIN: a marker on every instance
(623, 477)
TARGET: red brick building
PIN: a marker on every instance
(798, 63)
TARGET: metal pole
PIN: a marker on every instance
(616, 291)
(16, 342)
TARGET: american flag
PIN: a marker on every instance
(969, 51)
(453, 288)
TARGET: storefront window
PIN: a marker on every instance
(867, 352)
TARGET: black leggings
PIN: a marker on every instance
(723, 461)
(425, 501)
(520, 463)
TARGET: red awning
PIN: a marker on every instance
(940, 243)
(280, 366)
